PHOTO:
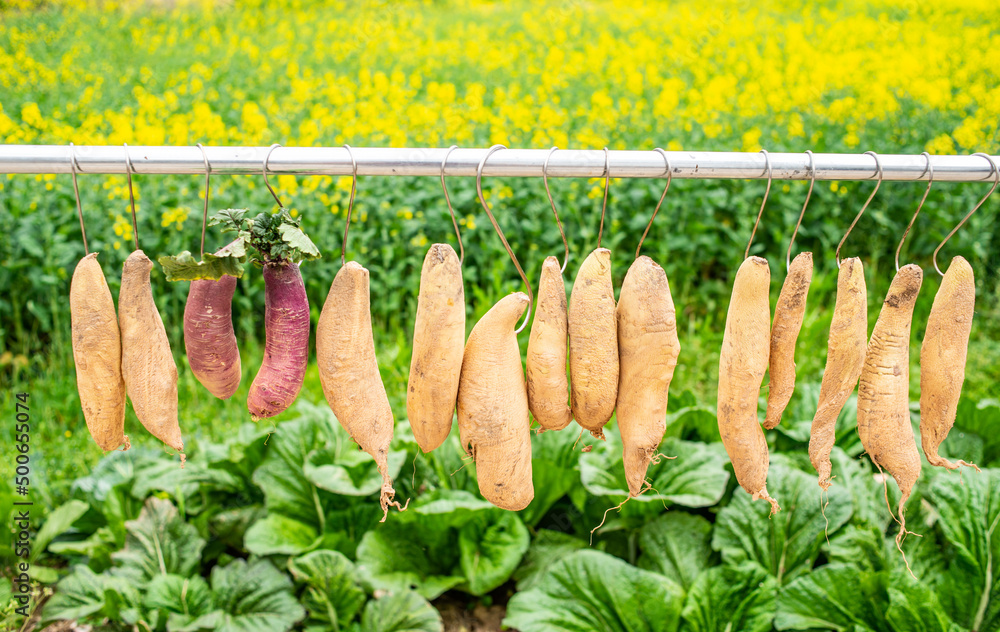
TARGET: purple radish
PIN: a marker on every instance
(209, 339)
(286, 347)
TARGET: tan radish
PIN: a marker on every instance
(845, 358)
(788, 314)
(348, 370)
(548, 386)
(883, 391)
(148, 366)
(742, 363)
(97, 353)
(647, 349)
(493, 407)
(593, 343)
(942, 358)
(438, 344)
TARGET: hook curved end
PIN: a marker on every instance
(552, 203)
(131, 195)
(929, 170)
(607, 185)
(878, 170)
(268, 182)
(350, 204)
(496, 227)
(763, 202)
(656, 210)
(76, 192)
(995, 171)
(795, 232)
(208, 183)
(451, 211)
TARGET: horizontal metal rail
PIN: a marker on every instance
(569, 163)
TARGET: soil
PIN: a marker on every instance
(461, 616)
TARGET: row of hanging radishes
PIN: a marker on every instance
(621, 358)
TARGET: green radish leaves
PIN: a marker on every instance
(688, 474)
(184, 267)
(787, 543)
(252, 597)
(677, 545)
(275, 237)
(417, 550)
(401, 612)
(178, 599)
(590, 590)
(158, 542)
(333, 595)
(724, 598)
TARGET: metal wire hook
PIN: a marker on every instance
(76, 191)
(656, 210)
(878, 169)
(545, 181)
(802, 213)
(131, 195)
(996, 180)
(486, 207)
(930, 180)
(607, 185)
(451, 211)
(767, 192)
(266, 181)
(204, 216)
(350, 203)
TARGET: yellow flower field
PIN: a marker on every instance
(845, 76)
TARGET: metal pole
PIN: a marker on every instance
(379, 161)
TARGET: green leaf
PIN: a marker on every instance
(796, 422)
(450, 508)
(416, 550)
(981, 418)
(727, 598)
(697, 477)
(914, 607)
(969, 512)
(333, 596)
(78, 596)
(857, 477)
(547, 548)
(189, 482)
(159, 542)
(695, 422)
(276, 237)
(492, 545)
(58, 522)
(188, 596)
(297, 240)
(590, 590)
(554, 467)
(281, 475)
(231, 219)
(253, 597)
(184, 267)
(401, 612)
(787, 543)
(44, 574)
(280, 535)
(676, 545)
(341, 467)
(834, 597)
(399, 556)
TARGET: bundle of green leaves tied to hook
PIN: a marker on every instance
(275, 242)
